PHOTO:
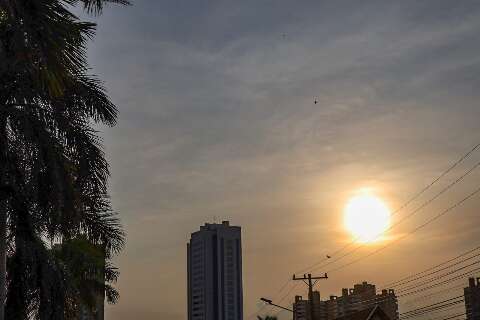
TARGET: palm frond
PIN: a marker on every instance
(96, 6)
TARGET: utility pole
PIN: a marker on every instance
(310, 285)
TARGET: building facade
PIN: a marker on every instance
(361, 297)
(472, 299)
(214, 273)
(301, 309)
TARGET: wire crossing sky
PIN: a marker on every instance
(273, 114)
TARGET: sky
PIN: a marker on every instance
(218, 122)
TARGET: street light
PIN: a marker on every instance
(268, 301)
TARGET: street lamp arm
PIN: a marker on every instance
(268, 301)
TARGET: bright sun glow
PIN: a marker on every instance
(366, 217)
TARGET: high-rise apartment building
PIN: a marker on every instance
(214, 262)
(472, 299)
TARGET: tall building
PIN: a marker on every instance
(301, 309)
(214, 262)
(361, 297)
(472, 299)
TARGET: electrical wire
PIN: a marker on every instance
(440, 276)
(440, 283)
(403, 206)
(459, 203)
(406, 204)
(398, 282)
(426, 297)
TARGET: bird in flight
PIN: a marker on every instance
(315, 101)
(328, 257)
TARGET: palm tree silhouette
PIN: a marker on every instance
(53, 173)
(84, 265)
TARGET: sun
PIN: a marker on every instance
(366, 217)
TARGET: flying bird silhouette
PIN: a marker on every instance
(328, 257)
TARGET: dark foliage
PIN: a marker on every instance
(53, 173)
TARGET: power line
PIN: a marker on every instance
(440, 276)
(449, 317)
(436, 309)
(440, 283)
(406, 204)
(425, 297)
(430, 305)
(453, 316)
(284, 285)
(398, 282)
(436, 278)
(310, 285)
(288, 292)
(425, 204)
(443, 310)
(376, 300)
(406, 292)
(459, 203)
(439, 307)
(418, 209)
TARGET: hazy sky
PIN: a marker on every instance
(217, 118)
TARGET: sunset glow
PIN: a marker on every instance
(366, 217)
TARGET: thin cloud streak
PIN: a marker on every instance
(217, 119)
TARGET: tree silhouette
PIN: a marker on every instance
(267, 318)
(53, 173)
(86, 268)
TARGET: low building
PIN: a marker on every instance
(359, 298)
(301, 309)
(472, 299)
(319, 307)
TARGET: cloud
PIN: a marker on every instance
(217, 119)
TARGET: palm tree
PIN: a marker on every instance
(52, 169)
(86, 268)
